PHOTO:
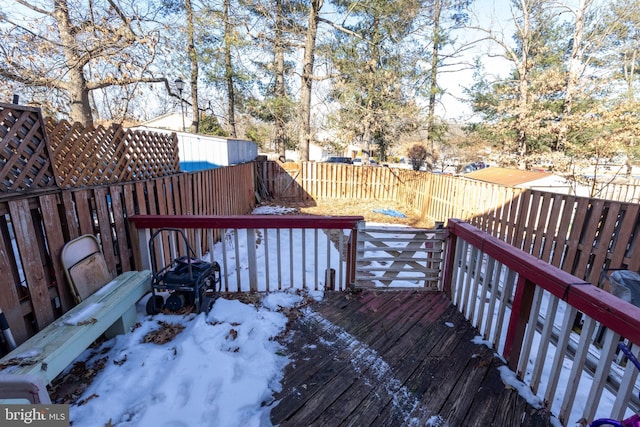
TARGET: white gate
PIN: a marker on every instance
(392, 256)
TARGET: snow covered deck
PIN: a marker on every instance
(394, 358)
(557, 332)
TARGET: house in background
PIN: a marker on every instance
(169, 121)
(317, 153)
(533, 180)
(199, 152)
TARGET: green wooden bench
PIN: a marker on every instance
(110, 310)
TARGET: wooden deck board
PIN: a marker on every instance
(383, 358)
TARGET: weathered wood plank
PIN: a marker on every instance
(71, 219)
(9, 292)
(600, 245)
(120, 228)
(351, 368)
(83, 209)
(312, 372)
(56, 346)
(32, 265)
(104, 225)
(388, 397)
(551, 227)
(55, 243)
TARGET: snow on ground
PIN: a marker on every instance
(221, 369)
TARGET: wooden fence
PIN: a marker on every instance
(39, 154)
(621, 192)
(33, 230)
(582, 236)
(25, 161)
(310, 181)
(85, 156)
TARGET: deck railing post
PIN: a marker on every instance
(350, 254)
(252, 259)
(450, 241)
(352, 248)
(520, 311)
(142, 257)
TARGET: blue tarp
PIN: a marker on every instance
(390, 212)
(196, 166)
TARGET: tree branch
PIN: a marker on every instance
(342, 29)
(101, 84)
(34, 8)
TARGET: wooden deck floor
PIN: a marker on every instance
(393, 358)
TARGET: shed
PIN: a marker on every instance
(198, 152)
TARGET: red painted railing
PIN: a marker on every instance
(268, 256)
(559, 333)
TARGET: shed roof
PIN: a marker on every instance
(506, 176)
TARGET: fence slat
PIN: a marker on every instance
(9, 297)
(35, 275)
(55, 242)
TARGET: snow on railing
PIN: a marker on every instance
(265, 252)
(557, 332)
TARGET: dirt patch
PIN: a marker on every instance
(165, 333)
(365, 208)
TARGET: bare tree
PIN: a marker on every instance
(229, 74)
(193, 61)
(67, 52)
(307, 78)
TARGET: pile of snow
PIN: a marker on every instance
(221, 370)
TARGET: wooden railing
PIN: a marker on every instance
(543, 321)
(258, 252)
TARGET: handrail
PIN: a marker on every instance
(276, 256)
(245, 221)
(611, 311)
(516, 299)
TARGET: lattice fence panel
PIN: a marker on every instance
(98, 155)
(24, 158)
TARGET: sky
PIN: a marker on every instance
(221, 368)
(493, 14)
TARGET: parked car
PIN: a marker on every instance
(474, 167)
(338, 159)
(358, 162)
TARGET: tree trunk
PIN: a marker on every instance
(228, 72)
(630, 73)
(574, 71)
(304, 139)
(520, 124)
(77, 84)
(279, 137)
(80, 105)
(523, 85)
(433, 86)
(193, 59)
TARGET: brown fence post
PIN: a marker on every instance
(520, 311)
(352, 247)
(450, 240)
